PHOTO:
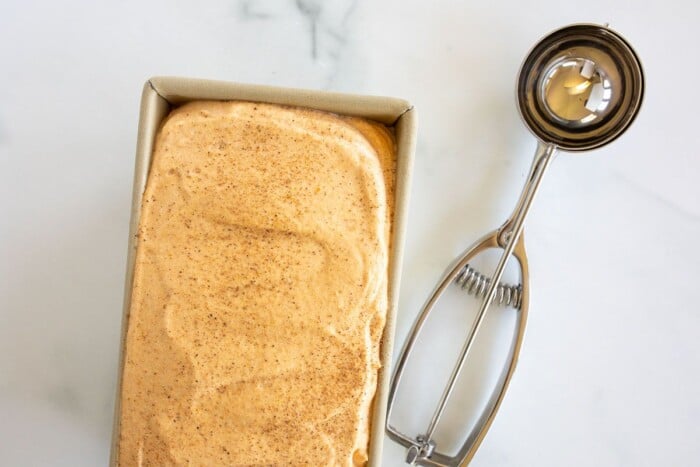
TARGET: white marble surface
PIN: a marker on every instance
(608, 375)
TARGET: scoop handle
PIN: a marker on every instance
(508, 236)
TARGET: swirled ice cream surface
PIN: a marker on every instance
(260, 289)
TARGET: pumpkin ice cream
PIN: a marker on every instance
(260, 289)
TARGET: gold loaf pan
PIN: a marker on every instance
(161, 95)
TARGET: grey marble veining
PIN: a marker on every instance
(327, 27)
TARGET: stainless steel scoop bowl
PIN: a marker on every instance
(579, 88)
